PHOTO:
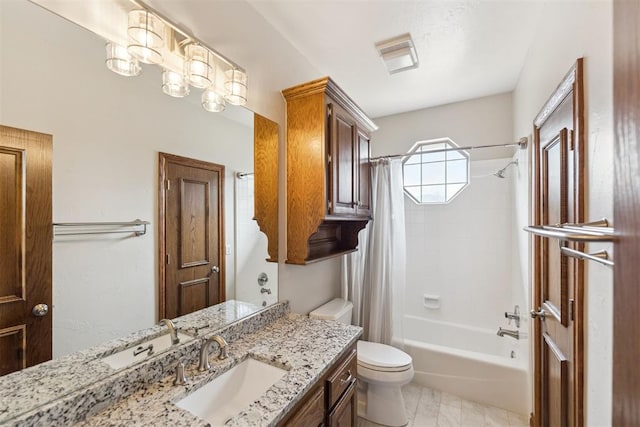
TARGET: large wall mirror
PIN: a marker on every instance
(108, 131)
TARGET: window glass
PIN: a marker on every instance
(431, 178)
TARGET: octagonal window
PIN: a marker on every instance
(433, 175)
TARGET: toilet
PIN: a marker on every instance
(382, 371)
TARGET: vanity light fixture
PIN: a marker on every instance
(235, 86)
(146, 36)
(199, 66)
(120, 61)
(185, 60)
(212, 101)
(399, 53)
(174, 84)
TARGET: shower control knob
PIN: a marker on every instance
(540, 313)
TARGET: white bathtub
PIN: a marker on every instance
(469, 362)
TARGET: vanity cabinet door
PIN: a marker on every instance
(342, 170)
(344, 414)
(311, 413)
(363, 196)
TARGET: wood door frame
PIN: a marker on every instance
(163, 162)
(573, 81)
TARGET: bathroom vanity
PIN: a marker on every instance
(314, 364)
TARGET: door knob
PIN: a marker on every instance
(40, 310)
(540, 313)
(215, 269)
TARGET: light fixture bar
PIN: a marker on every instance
(186, 35)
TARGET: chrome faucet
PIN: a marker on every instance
(172, 331)
(513, 316)
(510, 333)
(204, 352)
(265, 291)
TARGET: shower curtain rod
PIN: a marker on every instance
(522, 144)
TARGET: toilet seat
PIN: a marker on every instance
(382, 357)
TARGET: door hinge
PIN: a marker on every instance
(329, 204)
(167, 185)
(168, 259)
(329, 158)
(571, 309)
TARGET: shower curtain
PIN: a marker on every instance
(374, 276)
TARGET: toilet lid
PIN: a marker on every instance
(382, 357)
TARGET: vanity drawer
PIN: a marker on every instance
(342, 378)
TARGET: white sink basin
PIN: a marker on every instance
(126, 357)
(231, 392)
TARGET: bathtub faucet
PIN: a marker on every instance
(513, 316)
(512, 334)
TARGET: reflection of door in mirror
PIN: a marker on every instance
(25, 249)
(191, 222)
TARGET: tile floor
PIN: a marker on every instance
(433, 408)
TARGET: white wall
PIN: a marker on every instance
(251, 245)
(482, 121)
(570, 30)
(461, 251)
(107, 132)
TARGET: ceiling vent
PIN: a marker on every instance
(399, 53)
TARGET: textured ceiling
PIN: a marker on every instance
(467, 49)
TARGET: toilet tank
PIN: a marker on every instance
(337, 309)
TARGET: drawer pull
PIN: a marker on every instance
(348, 379)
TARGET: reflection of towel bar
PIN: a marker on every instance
(138, 227)
(598, 231)
(601, 256)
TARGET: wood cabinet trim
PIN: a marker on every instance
(265, 167)
(328, 86)
(312, 179)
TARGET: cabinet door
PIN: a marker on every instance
(311, 413)
(363, 199)
(342, 170)
(344, 413)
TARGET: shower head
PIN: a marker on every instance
(500, 173)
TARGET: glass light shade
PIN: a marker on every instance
(198, 66)
(146, 36)
(120, 61)
(235, 85)
(213, 102)
(174, 84)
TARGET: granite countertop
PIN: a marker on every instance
(64, 390)
(305, 347)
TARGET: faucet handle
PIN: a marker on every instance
(180, 379)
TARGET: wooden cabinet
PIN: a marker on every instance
(332, 400)
(311, 413)
(328, 171)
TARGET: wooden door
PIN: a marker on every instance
(626, 289)
(559, 280)
(26, 233)
(191, 221)
(343, 149)
(364, 175)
